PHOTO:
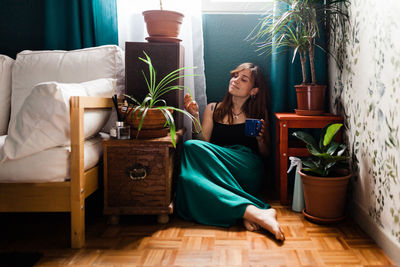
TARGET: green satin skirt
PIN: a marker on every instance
(217, 183)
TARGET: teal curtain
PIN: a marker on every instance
(284, 75)
(74, 24)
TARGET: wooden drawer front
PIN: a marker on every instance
(126, 187)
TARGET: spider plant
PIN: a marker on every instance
(153, 98)
(298, 28)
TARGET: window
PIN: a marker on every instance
(236, 6)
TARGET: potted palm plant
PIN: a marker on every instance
(298, 29)
(153, 113)
(163, 25)
(325, 175)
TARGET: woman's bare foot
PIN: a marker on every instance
(250, 226)
(264, 218)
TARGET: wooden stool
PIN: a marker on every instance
(283, 149)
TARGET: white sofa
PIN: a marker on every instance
(52, 105)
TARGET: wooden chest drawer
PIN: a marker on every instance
(138, 175)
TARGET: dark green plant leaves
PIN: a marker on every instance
(308, 139)
(327, 155)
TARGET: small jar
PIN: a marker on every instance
(123, 132)
(120, 131)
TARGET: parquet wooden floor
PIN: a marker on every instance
(140, 241)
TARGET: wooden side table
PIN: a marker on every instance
(283, 149)
(138, 176)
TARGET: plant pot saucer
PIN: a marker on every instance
(306, 112)
(321, 220)
(162, 39)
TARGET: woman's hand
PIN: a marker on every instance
(191, 106)
(260, 137)
(263, 139)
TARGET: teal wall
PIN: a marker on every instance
(21, 26)
(225, 47)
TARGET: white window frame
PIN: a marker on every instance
(236, 6)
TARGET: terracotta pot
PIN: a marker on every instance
(325, 197)
(153, 124)
(163, 23)
(154, 120)
(310, 99)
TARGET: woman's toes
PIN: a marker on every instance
(250, 226)
(279, 234)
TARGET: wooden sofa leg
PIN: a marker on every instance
(78, 225)
(77, 174)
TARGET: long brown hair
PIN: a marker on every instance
(254, 107)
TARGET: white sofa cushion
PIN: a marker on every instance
(76, 66)
(44, 119)
(5, 92)
(50, 165)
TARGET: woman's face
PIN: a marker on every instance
(241, 83)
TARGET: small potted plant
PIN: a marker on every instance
(298, 29)
(325, 175)
(153, 113)
(163, 25)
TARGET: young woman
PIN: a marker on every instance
(222, 171)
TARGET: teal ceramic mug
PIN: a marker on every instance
(252, 127)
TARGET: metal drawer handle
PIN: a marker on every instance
(138, 172)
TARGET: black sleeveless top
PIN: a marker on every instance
(232, 134)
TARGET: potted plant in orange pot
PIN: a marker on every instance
(152, 117)
(325, 176)
(163, 25)
(297, 29)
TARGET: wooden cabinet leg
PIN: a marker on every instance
(113, 219)
(163, 218)
(283, 157)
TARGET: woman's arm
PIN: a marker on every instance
(207, 125)
(263, 140)
(208, 122)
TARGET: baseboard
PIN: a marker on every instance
(386, 242)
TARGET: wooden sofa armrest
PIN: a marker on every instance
(77, 106)
(77, 190)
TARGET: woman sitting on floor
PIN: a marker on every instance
(222, 171)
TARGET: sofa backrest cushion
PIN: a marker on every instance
(6, 64)
(44, 119)
(75, 66)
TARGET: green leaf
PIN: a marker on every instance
(142, 116)
(331, 132)
(342, 149)
(133, 99)
(332, 148)
(313, 150)
(309, 162)
(308, 139)
(171, 123)
(330, 158)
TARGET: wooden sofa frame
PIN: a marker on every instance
(68, 196)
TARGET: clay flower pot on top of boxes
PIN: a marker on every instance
(163, 25)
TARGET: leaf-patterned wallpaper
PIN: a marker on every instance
(366, 90)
